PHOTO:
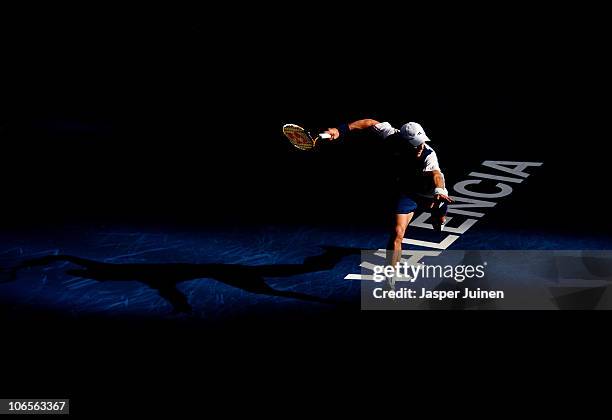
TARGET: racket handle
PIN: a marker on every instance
(325, 136)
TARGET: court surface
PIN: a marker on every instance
(305, 268)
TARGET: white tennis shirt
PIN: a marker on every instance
(430, 160)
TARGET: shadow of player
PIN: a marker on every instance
(165, 277)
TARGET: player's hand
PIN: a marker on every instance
(333, 132)
(440, 198)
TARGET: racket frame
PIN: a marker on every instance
(304, 131)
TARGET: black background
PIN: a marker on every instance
(173, 117)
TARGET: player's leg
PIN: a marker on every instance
(403, 215)
(438, 215)
(394, 245)
(404, 210)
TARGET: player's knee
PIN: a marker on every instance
(440, 212)
(400, 231)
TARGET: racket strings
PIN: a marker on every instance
(298, 137)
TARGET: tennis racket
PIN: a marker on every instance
(301, 138)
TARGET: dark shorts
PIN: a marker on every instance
(408, 203)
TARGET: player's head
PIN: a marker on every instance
(414, 133)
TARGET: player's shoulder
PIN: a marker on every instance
(384, 124)
(429, 152)
(385, 129)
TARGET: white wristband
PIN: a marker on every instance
(442, 191)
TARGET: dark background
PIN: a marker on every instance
(165, 117)
(173, 117)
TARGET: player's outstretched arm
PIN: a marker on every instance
(343, 129)
(440, 192)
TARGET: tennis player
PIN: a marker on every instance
(419, 180)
